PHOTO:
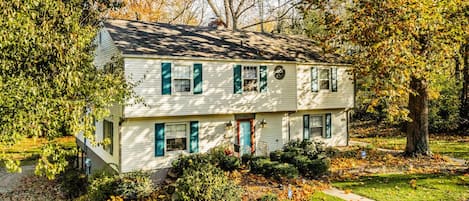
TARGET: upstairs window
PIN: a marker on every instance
(182, 79)
(324, 80)
(250, 78)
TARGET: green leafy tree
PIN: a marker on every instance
(49, 86)
(398, 46)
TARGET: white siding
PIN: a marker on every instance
(138, 140)
(116, 114)
(274, 134)
(323, 99)
(217, 96)
(339, 126)
(105, 49)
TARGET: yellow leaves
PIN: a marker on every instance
(413, 183)
(348, 191)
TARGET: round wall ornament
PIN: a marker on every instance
(279, 72)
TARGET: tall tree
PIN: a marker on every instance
(398, 45)
(173, 12)
(49, 86)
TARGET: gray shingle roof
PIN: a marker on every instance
(143, 38)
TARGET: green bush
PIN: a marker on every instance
(273, 169)
(229, 163)
(189, 162)
(288, 157)
(275, 155)
(280, 170)
(206, 182)
(303, 164)
(268, 197)
(320, 166)
(73, 182)
(130, 186)
(246, 159)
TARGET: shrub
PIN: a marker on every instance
(134, 185)
(268, 197)
(206, 182)
(288, 157)
(229, 163)
(262, 166)
(246, 159)
(189, 162)
(303, 164)
(275, 155)
(280, 170)
(73, 182)
(320, 166)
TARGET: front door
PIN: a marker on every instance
(245, 137)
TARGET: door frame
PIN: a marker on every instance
(253, 142)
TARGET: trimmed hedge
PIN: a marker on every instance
(273, 169)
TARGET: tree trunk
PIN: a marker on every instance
(464, 107)
(417, 130)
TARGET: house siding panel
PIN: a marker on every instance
(324, 99)
(105, 49)
(217, 96)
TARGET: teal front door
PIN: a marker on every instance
(245, 137)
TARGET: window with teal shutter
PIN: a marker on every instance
(194, 137)
(237, 87)
(334, 79)
(305, 127)
(328, 133)
(197, 78)
(263, 78)
(159, 139)
(166, 78)
(314, 79)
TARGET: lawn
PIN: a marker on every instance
(28, 149)
(454, 146)
(400, 187)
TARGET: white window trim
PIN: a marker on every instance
(329, 80)
(323, 117)
(187, 138)
(110, 151)
(257, 77)
(173, 78)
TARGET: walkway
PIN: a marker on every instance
(8, 181)
(345, 196)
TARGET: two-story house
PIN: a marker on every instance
(203, 86)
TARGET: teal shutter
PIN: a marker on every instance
(237, 79)
(194, 137)
(197, 78)
(263, 78)
(305, 127)
(159, 139)
(328, 126)
(166, 78)
(334, 79)
(314, 79)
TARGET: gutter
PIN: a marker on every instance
(147, 56)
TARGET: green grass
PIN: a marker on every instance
(317, 196)
(397, 187)
(28, 149)
(449, 147)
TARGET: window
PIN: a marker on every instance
(182, 79)
(250, 78)
(316, 126)
(324, 79)
(108, 133)
(176, 137)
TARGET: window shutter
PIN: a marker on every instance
(263, 78)
(328, 126)
(334, 79)
(237, 79)
(166, 78)
(159, 139)
(314, 79)
(305, 127)
(197, 78)
(194, 137)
